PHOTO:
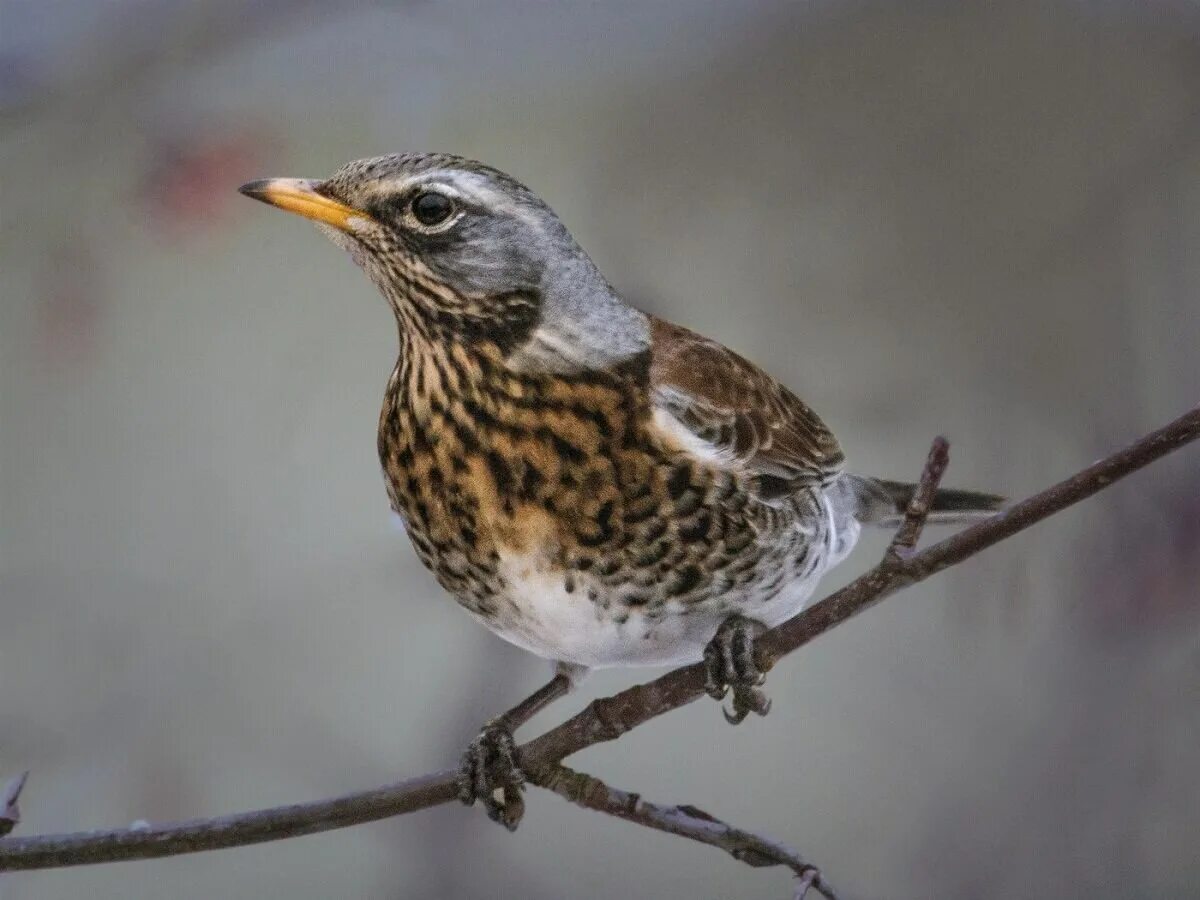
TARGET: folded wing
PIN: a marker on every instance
(731, 413)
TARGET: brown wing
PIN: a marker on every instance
(742, 416)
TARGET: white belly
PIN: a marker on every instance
(546, 619)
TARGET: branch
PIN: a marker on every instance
(174, 838)
(590, 792)
(609, 718)
(605, 719)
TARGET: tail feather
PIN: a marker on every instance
(878, 501)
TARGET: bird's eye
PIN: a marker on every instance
(432, 208)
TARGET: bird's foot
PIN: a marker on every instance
(490, 773)
(730, 665)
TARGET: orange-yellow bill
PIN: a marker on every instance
(297, 195)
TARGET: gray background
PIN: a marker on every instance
(971, 218)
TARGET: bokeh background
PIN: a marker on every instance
(973, 218)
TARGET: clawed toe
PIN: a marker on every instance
(730, 666)
(490, 773)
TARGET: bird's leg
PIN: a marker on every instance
(490, 771)
(729, 665)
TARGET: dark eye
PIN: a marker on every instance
(431, 208)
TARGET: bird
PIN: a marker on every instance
(595, 484)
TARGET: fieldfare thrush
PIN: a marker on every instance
(594, 484)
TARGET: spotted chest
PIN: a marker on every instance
(558, 513)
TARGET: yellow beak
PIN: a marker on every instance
(298, 195)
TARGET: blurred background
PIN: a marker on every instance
(973, 218)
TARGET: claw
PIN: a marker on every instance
(729, 665)
(490, 773)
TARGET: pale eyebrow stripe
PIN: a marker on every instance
(471, 187)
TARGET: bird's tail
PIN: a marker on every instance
(877, 501)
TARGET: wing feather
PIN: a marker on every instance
(737, 415)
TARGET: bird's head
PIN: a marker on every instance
(459, 249)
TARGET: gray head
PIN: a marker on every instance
(463, 251)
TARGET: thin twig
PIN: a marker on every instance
(10, 810)
(905, 539)
(602, 720)
(755, 850)
(804, 883)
